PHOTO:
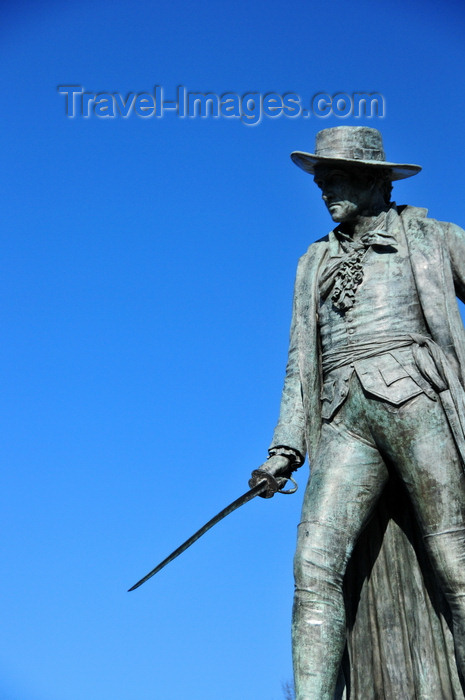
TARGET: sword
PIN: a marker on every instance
(262, 483)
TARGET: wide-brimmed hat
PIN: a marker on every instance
(352, 145)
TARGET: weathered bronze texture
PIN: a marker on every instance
(374, 394)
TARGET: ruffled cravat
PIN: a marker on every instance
(343, 275)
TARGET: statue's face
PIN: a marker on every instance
(345, 194)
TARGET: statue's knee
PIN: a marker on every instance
(313, 570)
(302, 570)
(320, 558)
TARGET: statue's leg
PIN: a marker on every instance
(427, 459)
(347, 478)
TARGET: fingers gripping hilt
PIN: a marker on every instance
(275, 484)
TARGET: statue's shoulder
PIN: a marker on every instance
(407, 211)
(412, 215)
(419, 225)
(315, 250)
(309, 262)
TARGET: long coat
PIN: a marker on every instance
(437, 254)
(399, 640)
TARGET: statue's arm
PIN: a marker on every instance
(455, 237)
(288, 448)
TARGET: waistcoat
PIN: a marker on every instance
(386, 305)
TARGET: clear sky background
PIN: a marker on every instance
(146, 276)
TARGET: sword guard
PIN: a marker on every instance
(273, 484)
(288, 491)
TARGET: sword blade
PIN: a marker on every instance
(255, 491)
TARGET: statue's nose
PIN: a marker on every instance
(327, 193)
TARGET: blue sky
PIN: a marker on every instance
(146, 280)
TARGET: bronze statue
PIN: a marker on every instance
(374, 393)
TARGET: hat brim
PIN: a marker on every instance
(395, 171)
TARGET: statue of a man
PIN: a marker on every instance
(374, 394)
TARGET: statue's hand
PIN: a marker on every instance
(275, 471)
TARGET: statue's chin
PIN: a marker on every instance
(343, 211)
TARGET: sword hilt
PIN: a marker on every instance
(275, 472)
(274, 484)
